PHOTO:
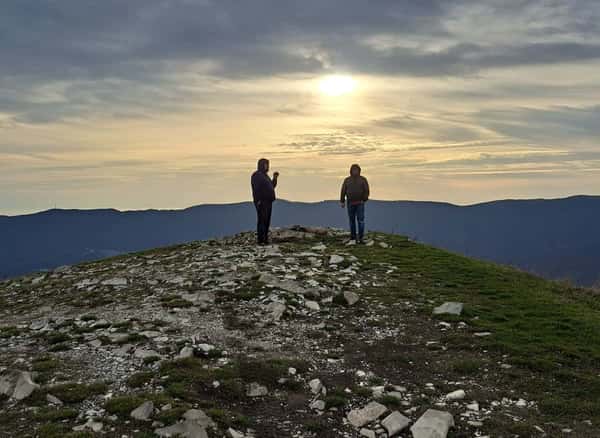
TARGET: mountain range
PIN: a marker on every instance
(556, 238)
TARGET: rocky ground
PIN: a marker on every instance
(308, 337)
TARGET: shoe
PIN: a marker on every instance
(351, 242)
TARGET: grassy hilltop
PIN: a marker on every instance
(250, 337)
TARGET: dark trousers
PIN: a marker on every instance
(356, 213)
(263, 220)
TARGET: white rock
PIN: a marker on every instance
(185, 353)
(473, 407)
(38, 280)
(433, 424)
(53, 400)
(232, 433)
(277, 310)
(456, 395)
(187, 429)
(24, 386)
(143, 412)
(368, 433)
(449, 308)
(483, 334)
(39, 324)
(315, 386)
(96, 343)
(351, 298)
(141, 353)
(256, 390)
(371, 412)
(115, 282)
(394, 423)
(198, 416)
(312, 305)
(95, 426)
(521, 403)
(318, 405)
(335, 259)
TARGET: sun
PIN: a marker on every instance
(337, 85)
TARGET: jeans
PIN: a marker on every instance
(356, 213)
(263, 220)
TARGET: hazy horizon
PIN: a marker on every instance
(299, 202)
(153, 104)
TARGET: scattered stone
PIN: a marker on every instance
(17, 384)
(351, 298)
(473, 407)
(200, 417)
(277, 310)
(185, 353)
(39, 324)
(312, 305)
(96, 343)
(53, 400)
(94, 426)
(433, 424)
(316, 386)
(256, 390)
(187, 429)
(232, 433)
(368, 433)
(143, 412)
(456, 395)
(205, 348)
(38, 280)
(115, 282)
(394, 423)
(125, 350)
(141, 353)
(318, 405)
(335, 259)
(449, 308)
(371, 412)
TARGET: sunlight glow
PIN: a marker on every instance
(337, 85)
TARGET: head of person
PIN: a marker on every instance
(355, 170)
(263, 165)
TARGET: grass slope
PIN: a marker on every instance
(550, 331)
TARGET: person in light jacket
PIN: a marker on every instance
(354, 194)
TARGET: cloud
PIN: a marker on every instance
(334, 143)
(556, 125)
(131, 55)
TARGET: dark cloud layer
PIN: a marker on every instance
(119, 53)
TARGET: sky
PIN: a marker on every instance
(169, 103)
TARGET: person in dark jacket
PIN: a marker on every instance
(355, 192)
(263, 194)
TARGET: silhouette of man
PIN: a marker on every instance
(355, 192)
(263, 194)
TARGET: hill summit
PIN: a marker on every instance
(307, 337)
